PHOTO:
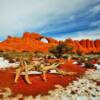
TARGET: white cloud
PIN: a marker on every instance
(23, 15)
(93, 34)
(96, 9)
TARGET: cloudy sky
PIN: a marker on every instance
(60, 19)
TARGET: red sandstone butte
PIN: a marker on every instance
(33, 42)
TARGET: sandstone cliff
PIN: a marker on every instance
(28, 42)
(33, 42)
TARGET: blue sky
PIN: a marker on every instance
(77, 19)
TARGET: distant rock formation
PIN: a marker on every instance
(28, 42)
(84, 46)
(33, 42)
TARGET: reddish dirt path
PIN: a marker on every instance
(38, 86)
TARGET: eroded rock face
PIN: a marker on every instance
(28, 42)
(32, 42)
(84, 46)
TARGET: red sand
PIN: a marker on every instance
(38, 86)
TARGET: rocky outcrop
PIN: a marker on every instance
(28, 42)
(84, 46)
(32, 42)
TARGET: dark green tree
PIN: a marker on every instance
(60, 49)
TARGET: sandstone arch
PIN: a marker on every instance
(43, 39)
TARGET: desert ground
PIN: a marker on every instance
(78, 77)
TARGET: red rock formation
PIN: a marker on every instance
(29, 42)
(84, 46)
(32, 42)
(97, 45)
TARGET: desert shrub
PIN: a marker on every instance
(58, 50)
(12, 56)
(89, 65)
